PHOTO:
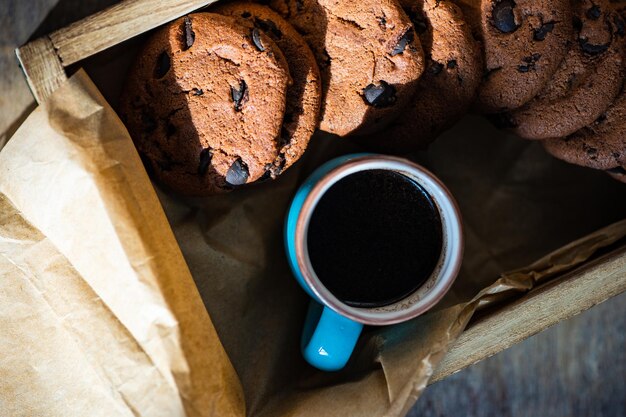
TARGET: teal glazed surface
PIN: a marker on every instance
(328, 338)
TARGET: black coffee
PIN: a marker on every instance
(374, 238)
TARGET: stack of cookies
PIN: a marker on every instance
(554, 71)
(231, 97)
(214, 102)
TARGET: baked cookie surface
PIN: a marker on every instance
(524, 42)
(369, 57)
(303, 95)
(601, 145)
(448, 86)
(586, 83)
(204, 104)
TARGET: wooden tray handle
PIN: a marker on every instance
(43, 60)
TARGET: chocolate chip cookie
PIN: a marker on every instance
(524, 42)
(447, 87)
(601, 145)
(303, 95)
(204, 104)
(369, 57)
(588, 80)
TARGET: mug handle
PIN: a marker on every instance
(328, 338)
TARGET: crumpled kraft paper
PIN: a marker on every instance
(64, 352)
(73, 173)
(517, 203)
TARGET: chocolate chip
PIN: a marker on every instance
(246, 15)
(533, 58)
(590, 48)
(502, 16)
(406, 39)
(617, 170)
(382, 22)
(256, 39)
(601, 118)
(594, 13)
(274, 169)
(237, 173)
(189, 36)
(530, 63)
(162, 65)
(206, 155)
(268, 27)
(149, 124)
(239, 95)
(616, 155)
(435, 67)
(197, 91)
(541, 33)
(381, 95)
(451, 64)
(590, 150)
(279, 165)
(299, 5)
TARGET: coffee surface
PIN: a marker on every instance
(374, 238)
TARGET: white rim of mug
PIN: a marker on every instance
(452, 255)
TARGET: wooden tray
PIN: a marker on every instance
(44, 62)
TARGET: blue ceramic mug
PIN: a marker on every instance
(332, 328)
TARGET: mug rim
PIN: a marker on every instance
(451, 260)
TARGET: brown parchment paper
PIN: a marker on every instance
(60, 339)
(71, 172)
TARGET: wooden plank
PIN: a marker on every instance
(116, 24)
(543, 307)
(42, 68)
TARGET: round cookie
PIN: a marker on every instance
(204, 104)
(303, 95)
(447, 87)
(588, 80)
(524, 41)
(369, 57)
(601, 145)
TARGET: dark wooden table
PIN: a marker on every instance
(576, 368)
